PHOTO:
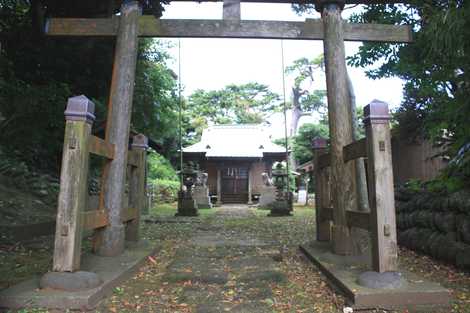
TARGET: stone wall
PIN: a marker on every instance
(435, 224)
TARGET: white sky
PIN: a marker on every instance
(214, 63)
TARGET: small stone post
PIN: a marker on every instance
(137, 196)
(73, 193)
(109, 241)
(323, 227)
(381, 192)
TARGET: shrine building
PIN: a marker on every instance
(234, 157)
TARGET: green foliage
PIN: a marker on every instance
(235, 104)
(160, 168)
(155, 96)
(166, 191)
(162, 178)
(435, 67)
(39, 73)
(305, 72)
(302, 143)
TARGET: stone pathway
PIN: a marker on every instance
(227, 271)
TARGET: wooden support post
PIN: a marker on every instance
(110, 240)
(219, 186)
(232, 10)
(381, 192)
(137, 196)
(340, 122)
(322, 193)
(73, 184)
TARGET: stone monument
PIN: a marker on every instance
(268, 192)
(201, 192)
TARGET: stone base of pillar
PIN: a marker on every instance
(112, 241)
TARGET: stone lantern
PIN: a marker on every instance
(283, 204)
(186, 204)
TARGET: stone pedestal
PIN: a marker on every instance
(267, 197)
(201, 196)
(283, 206)
(186, 205)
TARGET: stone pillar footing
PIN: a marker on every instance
(386, 280)
(66, 281)
(115, 238)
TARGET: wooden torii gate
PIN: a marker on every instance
(332, 29)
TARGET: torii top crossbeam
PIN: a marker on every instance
(231, 26)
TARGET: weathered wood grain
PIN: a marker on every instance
(326, 214)
(354, 218)
(359, 219)
(381, 191)
(129, 214)
(94, 219)
(231, 10)
(322, 192)
(340, 124)
(311, 29)
(109, 241)
(102, 148)
(133, 158)
(355, 150)
(137, 187)
(324, 161)
(72, 196)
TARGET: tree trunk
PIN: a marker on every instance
(294, 124)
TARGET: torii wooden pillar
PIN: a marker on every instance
(109, 241)
(340, 123)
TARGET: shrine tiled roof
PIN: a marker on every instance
(235, 141)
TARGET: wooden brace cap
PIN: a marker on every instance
(140, 142)
(319, 143)
(376, 112)
(320, 4)
(80, 108)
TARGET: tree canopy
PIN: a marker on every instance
(38, 74)
(249, 103)
(435, 69)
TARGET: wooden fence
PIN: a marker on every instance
(380, 221)
(72, 216)
(416, 160)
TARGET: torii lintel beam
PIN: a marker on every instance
(311, 29)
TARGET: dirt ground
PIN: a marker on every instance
(230, 259)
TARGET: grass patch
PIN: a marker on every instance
(164, 209)
(170, 209)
